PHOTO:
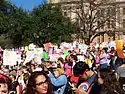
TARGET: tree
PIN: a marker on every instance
(17, 24)
(43, 24)
(5, 42)
(49, 25)
(12, 23)
(5, 10)
(94, 16)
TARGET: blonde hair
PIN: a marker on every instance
(67, 58)
(60, 70)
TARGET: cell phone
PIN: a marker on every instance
(72, 86)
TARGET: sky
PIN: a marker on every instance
(26, 4)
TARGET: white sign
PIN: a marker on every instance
(9, 58)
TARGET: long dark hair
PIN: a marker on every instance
(32, 83)
(110, 85)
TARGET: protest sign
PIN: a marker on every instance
(54, 57)
(9, 58)
(47, 46)
(45, 55)
(65, 52)
(119, 48)
(29, 56)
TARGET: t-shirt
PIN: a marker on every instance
(88, 84)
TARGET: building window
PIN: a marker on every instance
(123, 23)
(102, 12)
(108, 23)
(113, 11)
(98, 13)
(65, 13)
(123, 11)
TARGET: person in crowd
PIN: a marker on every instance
(90, 58)
(87, 79)
(104, 58)
(32, 67)
(2, 69)
(68, 66)
(5, 84)
(97, 58)
(74, 59)
(39, 83)
(88, 61)
(25, 69)
(121, 74)
(15, 87)
(20, 78)
(110, 84)
(113, 57)
(59, 81)
(26, 77)
(60, 62)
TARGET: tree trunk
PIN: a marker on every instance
(87, 41)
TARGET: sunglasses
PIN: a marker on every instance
(42, 83)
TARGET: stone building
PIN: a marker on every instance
(114, 33)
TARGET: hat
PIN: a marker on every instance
(12, 73)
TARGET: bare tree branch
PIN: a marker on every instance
(90, 18)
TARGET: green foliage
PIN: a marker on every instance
(43, 24)
(5, 42)
(5, 8)
(49, 25)
(16, 27)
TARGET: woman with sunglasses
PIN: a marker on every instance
(39, 83)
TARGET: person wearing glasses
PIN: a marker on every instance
(39, 83)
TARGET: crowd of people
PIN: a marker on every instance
(99, 71)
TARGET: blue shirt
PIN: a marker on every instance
(58, 83)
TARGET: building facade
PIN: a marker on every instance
(114, 28)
